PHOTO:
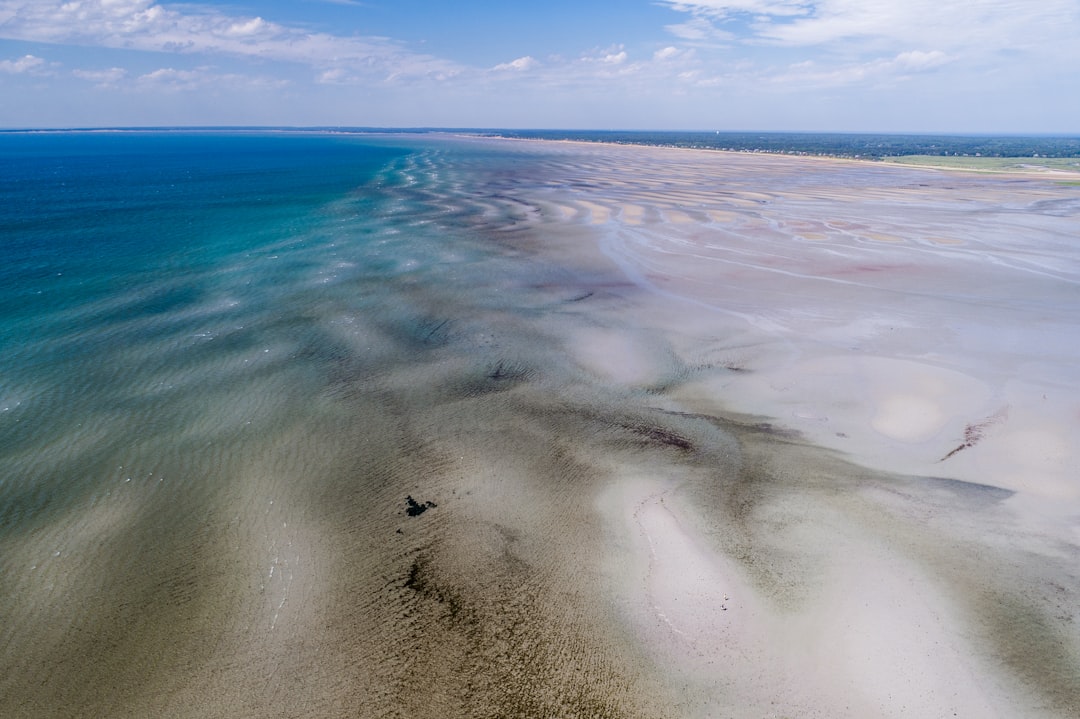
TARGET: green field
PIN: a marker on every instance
(991, 164)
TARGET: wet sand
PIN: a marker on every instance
(701, 435)
(865, 381)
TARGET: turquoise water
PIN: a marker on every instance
(226, 361)
(134, 263)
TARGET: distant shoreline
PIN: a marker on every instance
(1066, 167)
(1045, 156)
(860, 146)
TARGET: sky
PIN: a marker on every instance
(964, 66)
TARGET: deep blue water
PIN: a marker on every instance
(83, 215)
(138, 269)
(177, 303)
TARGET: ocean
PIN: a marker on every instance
(152, 281)
(403, 425)
(232, 365)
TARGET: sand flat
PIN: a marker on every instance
(897, 342)
(774, 277)
(692, 468)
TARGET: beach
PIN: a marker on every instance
(555, 429)
(916, 326)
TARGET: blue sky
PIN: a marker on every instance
(844, 65)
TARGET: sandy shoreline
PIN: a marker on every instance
(1034, 171)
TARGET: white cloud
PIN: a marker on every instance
(173, 79)
(24, 64)
(108, 77)
(335, 76)
(832, 43)
(698, 28)
(611, 56)
(809, 74)
(710, 52)
(249, 28)
(727, 8)
(919, 60)
(146, 25)
(987, 24)
(521, 64)
(169, 79)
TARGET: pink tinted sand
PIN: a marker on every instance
(917, 322)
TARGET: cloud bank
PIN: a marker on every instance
(705, 59)
(202, 29)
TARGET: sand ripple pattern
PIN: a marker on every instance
(205, 510)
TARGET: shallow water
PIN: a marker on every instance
(230, 360)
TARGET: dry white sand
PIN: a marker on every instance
(921, 324)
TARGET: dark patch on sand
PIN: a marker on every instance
(974, 432)
(655, 434)
(497, 376)
(415, 509)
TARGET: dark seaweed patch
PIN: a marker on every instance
(661, 435)
(421, 581)
(415, 509)
(504, 371)
(974, 432)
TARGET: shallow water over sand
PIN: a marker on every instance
(684, 422)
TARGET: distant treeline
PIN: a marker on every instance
(833, 144)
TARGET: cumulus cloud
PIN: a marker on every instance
(989, 23)
(248, 28)
(147, 25)
(24, 64)
(829, 43)
(521, 64)
(707, 46)
(611, 56)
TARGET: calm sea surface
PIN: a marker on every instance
(214, 353)
(147, 277)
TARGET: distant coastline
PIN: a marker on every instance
(864, 146)
(844, 145)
